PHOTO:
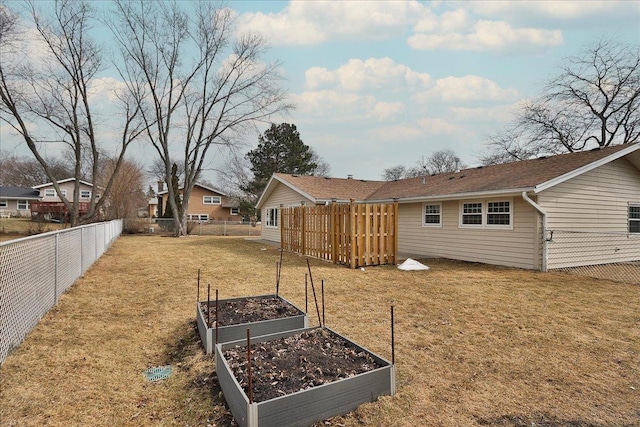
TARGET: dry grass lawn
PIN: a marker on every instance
(475, 345)
(15, 228)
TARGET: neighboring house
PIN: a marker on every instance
(51, 203)
(152, 208)
(501, 214)
(206, 204)
(16, 201)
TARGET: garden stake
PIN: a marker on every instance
(313, 289)
(306, 294)
(249, 365)
(216, 316)
(322, 282)
(279, 271)
(198, 299)
(393, 347)
(208, 304)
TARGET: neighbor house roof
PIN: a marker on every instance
(533, 175)
(19, 193)
(213, 190)
(62, 181)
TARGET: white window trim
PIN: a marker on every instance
(439, 224)
(50, 192)
(485, 211)
(212, 198)
(85, 191)
(198, 217)
(4, 203)
(24, 203)
(63, 192)
(268, 218)
(234, 211)
(629, 219)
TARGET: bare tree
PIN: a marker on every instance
(197, 85)
(593, 102)
(21, 171)
(438, 162)
(394, 173)
(127, 194)
(53, 90)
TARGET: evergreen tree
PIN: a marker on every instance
(280, 149)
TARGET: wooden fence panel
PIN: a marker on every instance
(352, 234)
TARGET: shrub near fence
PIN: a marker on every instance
(36, 270)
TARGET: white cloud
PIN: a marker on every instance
(482, 35)
(373, 73)
(344, 106)
(312, 22)
(466, 89)
(556, 10)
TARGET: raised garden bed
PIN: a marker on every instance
(264, 315)
(299, 377)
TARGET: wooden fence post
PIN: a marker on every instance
(352, 234)
(395, 232)
(334, 229)
(303, 228)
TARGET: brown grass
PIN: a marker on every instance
(475, 345)
(15, 228)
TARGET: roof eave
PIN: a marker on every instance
(456, 196)
(586, 168)
(271, 185)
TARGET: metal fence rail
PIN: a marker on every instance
(613, 256)
(36, 270)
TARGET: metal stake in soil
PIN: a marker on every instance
(208, 304)
(313, 289)
(322, 287)
(306, 293)
(216, 316)
(249, 384)
(198, 299)
(393, 346)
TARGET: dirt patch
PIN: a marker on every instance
(249, 310)
(298, 362)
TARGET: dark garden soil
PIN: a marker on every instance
(287, 365)
(249, 310)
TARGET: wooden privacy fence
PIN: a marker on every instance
(352, 234)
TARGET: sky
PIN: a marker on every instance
(383, 83)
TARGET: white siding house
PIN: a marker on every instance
(526, 214)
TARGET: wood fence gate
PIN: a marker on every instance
(352, 234)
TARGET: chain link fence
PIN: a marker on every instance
(36, 270)
(612, 256)
(164, 226)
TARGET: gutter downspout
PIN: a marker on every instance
(542, 212)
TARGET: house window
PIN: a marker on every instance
(50, 193)
(211, 200)
(3, 203)
(23, 205)
(235, 211)
(198, 217)
(272, 217)
(499, 213)
(432, 215)
(472, 213)
(63, 192)
(634, 217)
(85, 194)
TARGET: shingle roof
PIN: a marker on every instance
(19, 193)
(321, 188)
(526, 175)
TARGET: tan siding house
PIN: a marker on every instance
(523, 214)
